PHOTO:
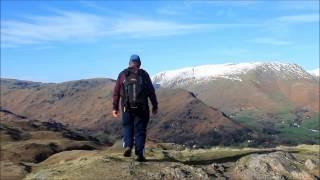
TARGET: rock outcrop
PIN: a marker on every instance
(277, 165)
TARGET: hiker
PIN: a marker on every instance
(134, 86)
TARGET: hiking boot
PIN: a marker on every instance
(127, 152)
(141, 158)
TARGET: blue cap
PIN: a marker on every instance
(135, 59)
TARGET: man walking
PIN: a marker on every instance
(134, 86)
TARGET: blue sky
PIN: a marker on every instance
(55, 41)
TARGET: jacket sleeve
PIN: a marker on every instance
(151, 92)
(116, 93)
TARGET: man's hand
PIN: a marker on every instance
(154, 111)
(115, 113)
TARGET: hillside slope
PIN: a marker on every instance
(86, 104)
(232, 87)
(277, 99)
(25, 142)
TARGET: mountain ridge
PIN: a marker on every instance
(87, 104)
(315, 72)
(271, 98)
(230, 71)
(242, 66)
(270, 82)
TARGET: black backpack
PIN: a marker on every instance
(133, 92)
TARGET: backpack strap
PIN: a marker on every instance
(126, 72)
(125, 97)
(143, 76)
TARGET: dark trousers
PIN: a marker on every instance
(135, 130)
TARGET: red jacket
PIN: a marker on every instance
(149, 90)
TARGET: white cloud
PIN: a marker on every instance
(168, 11)
(270, 41)
(91, 4)
(76, 26)
(66, 26)
(145, 28)
(41, 29)
(297, 5)
(301, 18)
(228, 3)
(284, 25)
(314, 72)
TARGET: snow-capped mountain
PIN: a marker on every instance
(237, 87)
(315, 72)
(228, 71)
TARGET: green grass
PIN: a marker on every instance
(312, 123)
(298, 135)
(282, 121)
(247, 118)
